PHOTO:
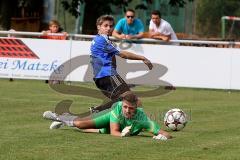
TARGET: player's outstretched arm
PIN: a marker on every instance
(154, 128)
(132, 56)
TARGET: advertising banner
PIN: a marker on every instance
(69, 60)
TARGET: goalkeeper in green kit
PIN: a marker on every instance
(124, 118)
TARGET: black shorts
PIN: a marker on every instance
(112, 86)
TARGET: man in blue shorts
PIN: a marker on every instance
(103, 60)
(125, 118)
(129, 27)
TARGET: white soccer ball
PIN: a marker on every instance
(175, 119)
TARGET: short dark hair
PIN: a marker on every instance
(104, 18)
(130, 10)
(130, 97)
(156, 12)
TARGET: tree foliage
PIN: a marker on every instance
(104, 6)
(95, 8)
(209, 13)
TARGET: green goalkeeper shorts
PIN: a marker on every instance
(102, 121)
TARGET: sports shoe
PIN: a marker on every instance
(93, 110)
(56, 125)
(50, 115)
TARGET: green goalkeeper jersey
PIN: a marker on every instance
(139, 121)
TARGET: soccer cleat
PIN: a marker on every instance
(93, 110)
(56, 125)
(50, 115)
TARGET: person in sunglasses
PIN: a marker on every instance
(129, 27)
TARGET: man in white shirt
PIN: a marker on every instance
(159, 28)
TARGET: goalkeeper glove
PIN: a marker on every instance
(126, 131)
(160, 137)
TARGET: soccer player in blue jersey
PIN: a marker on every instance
(103, 52)
(123, 119)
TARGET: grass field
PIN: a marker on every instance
(213, 131)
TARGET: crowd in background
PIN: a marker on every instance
(131, 27)
(128, 27)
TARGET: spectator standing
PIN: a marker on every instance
(129, 27)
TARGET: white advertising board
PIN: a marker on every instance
(183, 66)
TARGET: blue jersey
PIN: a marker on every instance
(102, 53)
(123, 27)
